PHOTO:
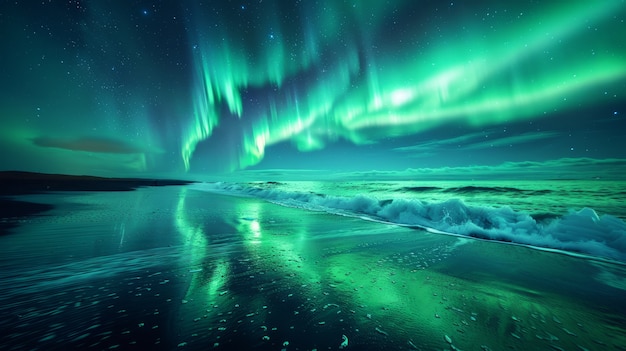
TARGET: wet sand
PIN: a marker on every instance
(167, 268)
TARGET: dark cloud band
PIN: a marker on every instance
(89, 144)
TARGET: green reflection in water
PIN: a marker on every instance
(385, 285)
(194, 237)
(273, 245)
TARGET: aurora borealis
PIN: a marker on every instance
(209, 88)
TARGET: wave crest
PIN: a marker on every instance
(582, 231)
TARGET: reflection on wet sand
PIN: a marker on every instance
(199, 270)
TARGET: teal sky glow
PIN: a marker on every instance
(238, 89)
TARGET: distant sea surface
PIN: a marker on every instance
(320, 265)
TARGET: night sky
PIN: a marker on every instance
(200, 89)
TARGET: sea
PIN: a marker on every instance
(320, 265)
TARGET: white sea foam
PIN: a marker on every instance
(580, 231)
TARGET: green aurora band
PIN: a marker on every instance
(351, 81)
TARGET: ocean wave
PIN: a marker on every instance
(483, 189)
(579, 231)
(418, 189)
(494, 190)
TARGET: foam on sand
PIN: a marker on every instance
(579, 231)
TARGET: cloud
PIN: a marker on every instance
(511, 140)
(431, 145)
(475, 141)
(563, 168)
(89, 144)
(274, 174)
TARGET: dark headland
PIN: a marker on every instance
(13, 183)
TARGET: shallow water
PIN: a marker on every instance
(177, 268)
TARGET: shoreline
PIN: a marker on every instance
(15, 183)
(22, 183)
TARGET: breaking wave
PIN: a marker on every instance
(582, 231)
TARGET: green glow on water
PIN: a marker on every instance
(195, 243)
(320, 275)
(240, 269)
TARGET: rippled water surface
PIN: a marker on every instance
(178, 268)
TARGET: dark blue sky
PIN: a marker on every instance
(234, 88)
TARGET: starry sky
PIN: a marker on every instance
(258, 89)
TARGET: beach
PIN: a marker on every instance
(177, 268)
